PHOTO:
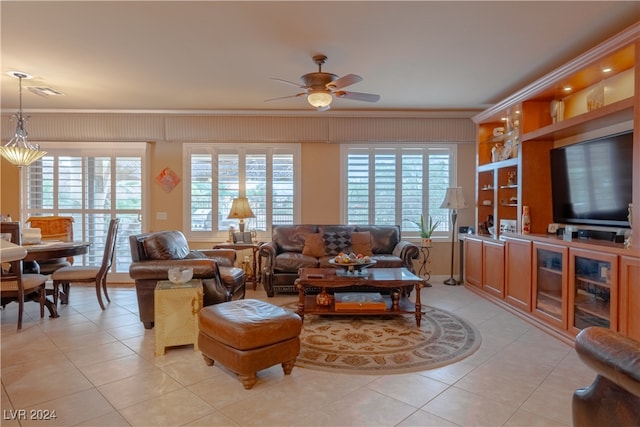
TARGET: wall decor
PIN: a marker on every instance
(168, 179)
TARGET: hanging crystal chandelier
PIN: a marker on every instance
(19, 151)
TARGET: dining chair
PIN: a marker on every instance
(53, 227)
(14, 285)
(64, 276)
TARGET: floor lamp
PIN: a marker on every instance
(454, 200)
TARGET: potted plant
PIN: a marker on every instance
(426, 229)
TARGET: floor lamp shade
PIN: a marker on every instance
(454, 200)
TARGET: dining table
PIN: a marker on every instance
(48, 250)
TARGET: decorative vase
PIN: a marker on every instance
(426, 242)
(323, 298)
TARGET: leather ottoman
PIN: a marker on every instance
(249, 335)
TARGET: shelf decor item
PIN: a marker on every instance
(627, 241)
(526, 220)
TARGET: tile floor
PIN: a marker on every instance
(97, 368)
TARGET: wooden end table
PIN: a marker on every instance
(251, 276)
(396, 279)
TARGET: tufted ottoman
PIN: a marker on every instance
(248, 335)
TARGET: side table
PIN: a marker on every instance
(176, 314)
(252, 276)
(424, 269)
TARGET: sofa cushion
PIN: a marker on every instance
(387, 261)
(383, 238)
(290, 238)
(313, 245)
(195, 254)
(291, 262)
(334, 243)
(166, 245)
(361, 242)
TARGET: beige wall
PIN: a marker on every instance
(320, 195)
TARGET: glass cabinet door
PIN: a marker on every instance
(593, 302)
(550, 284)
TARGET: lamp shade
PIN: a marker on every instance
(240, 209)
(454, 199)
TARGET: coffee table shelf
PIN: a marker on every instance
(405, 306)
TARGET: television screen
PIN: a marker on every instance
(591, 181)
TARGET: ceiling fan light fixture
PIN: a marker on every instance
(18, 150)
(319, 99)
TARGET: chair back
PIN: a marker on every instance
(53, 227)
(13, 275)
(109, 249)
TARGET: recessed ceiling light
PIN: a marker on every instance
(567, 88)
(44, 91)
(607, 69)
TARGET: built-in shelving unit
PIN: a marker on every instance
(564, 286)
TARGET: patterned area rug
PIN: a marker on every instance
(385, 344)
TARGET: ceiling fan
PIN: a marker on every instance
(321, 87)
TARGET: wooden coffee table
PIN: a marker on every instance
(395, 279)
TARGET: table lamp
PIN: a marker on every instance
(240, 210)
(454, 200)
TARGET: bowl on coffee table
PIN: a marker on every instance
(352, 267)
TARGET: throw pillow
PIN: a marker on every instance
(313, 245)
(334, 243)
(361, 243)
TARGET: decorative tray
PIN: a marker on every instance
(355, 268)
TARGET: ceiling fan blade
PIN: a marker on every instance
(285, 97)
(358, 96)
(344, 81)
(289, 83)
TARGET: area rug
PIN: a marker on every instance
(385, 344)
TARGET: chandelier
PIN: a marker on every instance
(19, 151)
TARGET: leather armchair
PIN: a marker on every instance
(153, 254)
(614, 397)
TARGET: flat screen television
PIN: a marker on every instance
(591, 182)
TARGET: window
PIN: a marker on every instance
(267, 174)
(394, 185)
(92, 185)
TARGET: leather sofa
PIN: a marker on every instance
(153, 254)
(296, 246)
(614, 397)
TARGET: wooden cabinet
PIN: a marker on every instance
(592, 95)
(629, 297)
(593, 296)
(493, 268)
(473, 261)
(550, 284)
(562, 286)
(518, 273)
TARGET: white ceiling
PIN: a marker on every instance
(207, 55)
